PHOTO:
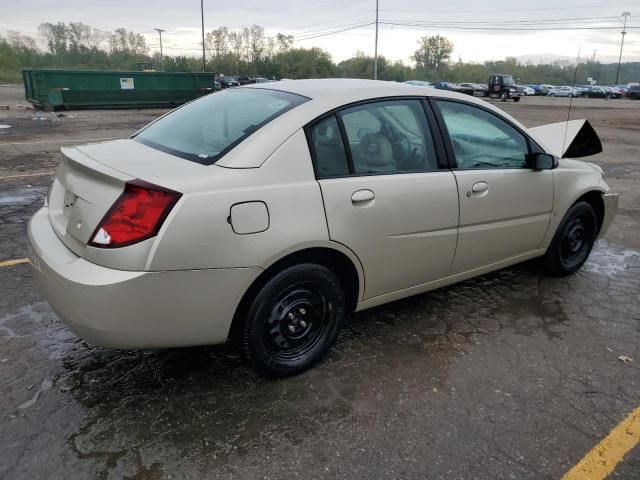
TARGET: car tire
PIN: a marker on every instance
(516, 99)
(572, 242)
(503, 97)
(293, 321)
(552, 94)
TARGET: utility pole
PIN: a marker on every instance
(624, 32)
(159, 30)
(204, 62)
(375, 54)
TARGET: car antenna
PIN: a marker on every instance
(573, 86)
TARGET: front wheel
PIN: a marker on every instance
(573, 241)
(516, 99)
(503, 97)
(293, 321)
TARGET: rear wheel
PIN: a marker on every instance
(573, 241)
(293, 320)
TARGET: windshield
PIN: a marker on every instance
(204, 130)
(507, 80)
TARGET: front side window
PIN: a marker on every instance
(389, 137)
(204, 130)
(481, 139)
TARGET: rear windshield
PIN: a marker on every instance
(204, 130)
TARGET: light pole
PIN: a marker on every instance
(204, 63)
(159, 30)
(624, 32)
(375, 54)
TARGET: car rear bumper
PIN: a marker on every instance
(134, 309)
(610, 208)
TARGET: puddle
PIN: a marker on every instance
(13, 324)
(609, 260)
(24, 196)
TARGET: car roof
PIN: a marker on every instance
(325, 95)
(336, 92)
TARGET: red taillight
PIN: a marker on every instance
(137, 215)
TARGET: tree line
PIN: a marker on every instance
(250, 51)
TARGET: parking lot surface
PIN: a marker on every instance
(511, 375)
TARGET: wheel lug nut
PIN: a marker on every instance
(302, 311)
(290, 315)
(303, 324)
(292, 328)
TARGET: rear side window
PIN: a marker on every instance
(204, 130)
(330, 156)
(384, 137)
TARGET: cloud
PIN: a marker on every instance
(314, 18)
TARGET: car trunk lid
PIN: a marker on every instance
(82, 192)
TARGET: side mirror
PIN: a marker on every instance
(543, 161)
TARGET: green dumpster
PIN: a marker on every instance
(69, 89)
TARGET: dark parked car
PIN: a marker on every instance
(244, 80)
(634, 92)
(226, 82)
(537, 88)
(504, 87)
(600, 92)
(454, 87)
(477, 89)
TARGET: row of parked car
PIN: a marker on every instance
(591, 91)
(235, 81)
(631, 91)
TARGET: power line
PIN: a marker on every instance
(497, 22)
(506, 29)
(304, 14)
(500, 10)
(336, 31)
(332, 21)
(303, 34)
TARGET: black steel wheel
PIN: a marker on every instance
(293, 320)
(573, 241)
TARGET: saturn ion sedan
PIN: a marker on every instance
(266, 214)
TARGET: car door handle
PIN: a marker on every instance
(480, 187)
(361, 197)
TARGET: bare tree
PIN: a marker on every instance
(256, 43)
(55, 36)
(284, 42)
(433, 52)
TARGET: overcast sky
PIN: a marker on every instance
(461, 21)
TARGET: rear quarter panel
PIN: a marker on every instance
(198, 234)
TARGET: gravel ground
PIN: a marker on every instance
(511, 375)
